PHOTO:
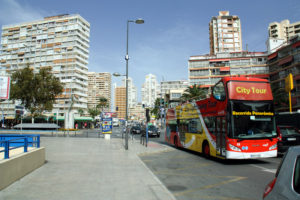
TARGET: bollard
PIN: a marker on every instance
(26, 144)
(6, 153)
(38, 141)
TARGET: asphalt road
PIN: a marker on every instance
(190, 176)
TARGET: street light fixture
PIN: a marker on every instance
(138, 21)
(117, 74)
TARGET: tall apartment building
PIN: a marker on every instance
(99, 85)
(120, 101)
(225, 33)
(59, 42)
(283, 30)
(150, 90)
(132, 93)
(206, 70)
(282, 62)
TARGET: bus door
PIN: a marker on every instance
(221, 135)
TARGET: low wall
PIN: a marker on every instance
(16, 167)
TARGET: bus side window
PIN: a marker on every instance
(194, 126)
(182, 125)
(219, 91)
(210, 123)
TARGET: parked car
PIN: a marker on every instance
(135, 130)
(286, 184)
(287, 136)
(153, 131)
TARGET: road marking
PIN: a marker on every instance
(265, 169)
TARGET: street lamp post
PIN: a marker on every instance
(138, 21)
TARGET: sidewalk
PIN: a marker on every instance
(91, 168)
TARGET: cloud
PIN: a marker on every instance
(12, 12)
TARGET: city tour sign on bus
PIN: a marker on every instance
(250, 90)
(4, 87)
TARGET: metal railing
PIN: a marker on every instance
(10, 142)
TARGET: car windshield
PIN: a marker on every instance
(151, 128)
(288, 131)
(253, 120)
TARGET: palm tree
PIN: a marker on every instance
(156, 109)
(80, 111)
(103, 103)
(194, 92)
(93, 112)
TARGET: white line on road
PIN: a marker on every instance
(265, 169)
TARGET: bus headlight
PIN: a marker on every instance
(273, 147)
(234, 148)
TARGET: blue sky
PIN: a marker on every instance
(173, 29)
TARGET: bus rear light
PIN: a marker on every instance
(273, 147)
(234, 148)
(269, 187)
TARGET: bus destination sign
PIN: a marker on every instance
(249, 91)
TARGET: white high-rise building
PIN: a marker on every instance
(132, 93)
(280, 33)
(225, 33)
(150, 90)
(283, 30)
(58, 42)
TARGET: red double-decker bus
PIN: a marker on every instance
(237, 121)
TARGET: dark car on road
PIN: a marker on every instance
(286, 183)
(153, 131)
(135, 130)
(287, 136)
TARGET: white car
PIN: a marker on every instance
(286, 184)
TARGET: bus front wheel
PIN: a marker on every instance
(206, 150)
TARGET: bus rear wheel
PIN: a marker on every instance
(206, 150)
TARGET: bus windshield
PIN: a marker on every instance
(252, 120)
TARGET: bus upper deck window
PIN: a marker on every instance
(219, 91)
